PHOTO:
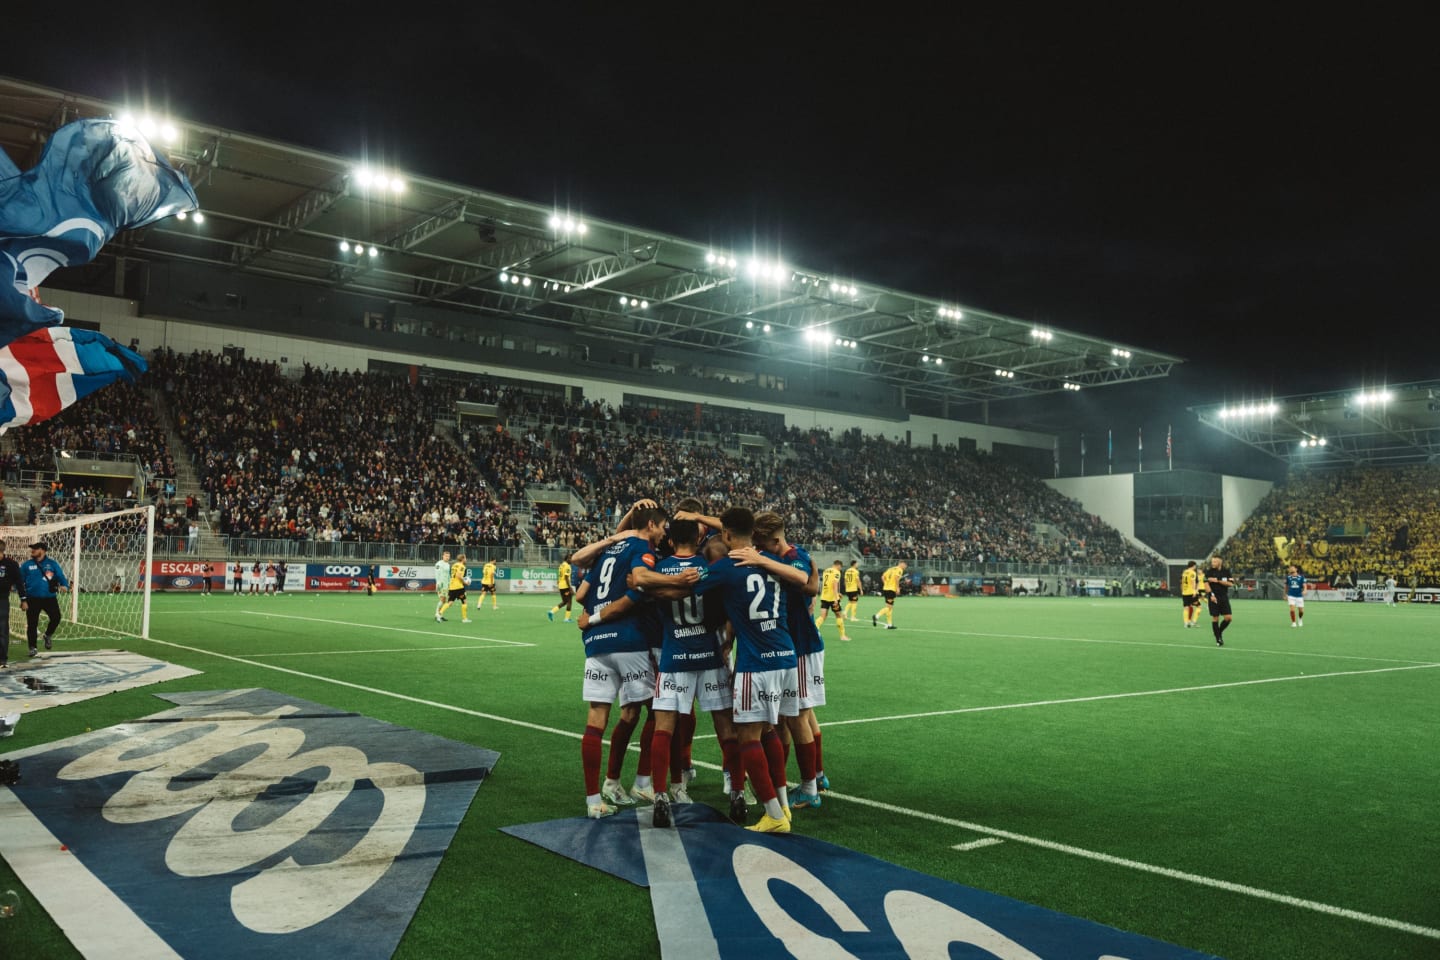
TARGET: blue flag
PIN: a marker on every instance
(46, 371)
(95, 178)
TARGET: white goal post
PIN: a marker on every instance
(107, 557)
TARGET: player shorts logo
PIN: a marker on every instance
(670, 685)
(600, 676)
(343, 571)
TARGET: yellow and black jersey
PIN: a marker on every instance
(1188, 580)
(830, 585)
(890, 579)
(457, 576)
(564, 576)
(487, 575)
(852, 580)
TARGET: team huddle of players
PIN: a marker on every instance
(694, 611)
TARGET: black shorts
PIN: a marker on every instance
(566, 595)
(457, 595)
(1190, 599)
(853, 596)
(889, 596)
(487, 588)
(831, 605)
(1219, 607)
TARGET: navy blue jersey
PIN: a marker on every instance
(803, 632)
(607, 584)
(1295, 585)
(755, 606)
(693, 631)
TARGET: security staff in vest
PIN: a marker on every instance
(43, 581)
(9, 580)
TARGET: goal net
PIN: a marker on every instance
(106, 557)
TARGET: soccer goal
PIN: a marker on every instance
(107, 559)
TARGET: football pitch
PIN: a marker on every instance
(1272, 799)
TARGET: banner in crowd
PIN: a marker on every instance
(1326, 592)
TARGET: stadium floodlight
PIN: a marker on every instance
(525, 281)
(168, 133)
(834, 287)
(182, 215)
(504, 277)
(925, 358)
(345, 246)
(1322, 441)
(397, 185)
(644, 304)
(766, 328)
(581, 228)
(514, 278)
(554, 221)
(939, 361)
(839, 341)
(624, 301)
(199, 217)
(709, 258)
(364, 177)
(374, 252)
(147, 126)
(1117, 352)
(749, 325)
(1039, 334)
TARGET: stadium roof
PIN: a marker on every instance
(296, 213)
(1391, 425)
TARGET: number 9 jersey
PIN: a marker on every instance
(607, 584)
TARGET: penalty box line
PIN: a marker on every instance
(1119, 696)
(1226, 885)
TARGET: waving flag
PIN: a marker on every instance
(96, 177)
(46, 371)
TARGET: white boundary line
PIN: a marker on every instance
(376, 626)
(337, 653)
(1311, 905)
(1156, 643)
(1121, 696)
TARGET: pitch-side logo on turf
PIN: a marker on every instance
(243, 816)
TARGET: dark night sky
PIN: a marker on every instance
(1258, 195)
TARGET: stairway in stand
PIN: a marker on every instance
(187, 481)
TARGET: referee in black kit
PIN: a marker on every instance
(1220, 581)
(9, 580)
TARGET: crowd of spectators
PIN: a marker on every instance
(1388, 521)
(936, 504)
(328, 455)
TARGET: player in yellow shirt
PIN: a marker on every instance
(852, 591)
(830, 598)
(487, 585)
(566, 593)
(459, 580)
(889, 588)
(1190, 594)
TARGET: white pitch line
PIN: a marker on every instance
(978, 844)
(1122, 696)
(1155, 643)
(1240, 888)
(336, 653)
(376, 626)
(1226, 885)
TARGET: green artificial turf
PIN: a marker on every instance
(1322, 788)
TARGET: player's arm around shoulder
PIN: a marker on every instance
(789, 575)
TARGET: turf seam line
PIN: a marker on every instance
(1226, 885)
(376, 626)
(334, 653)
(978, 844)
(1155, 643)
